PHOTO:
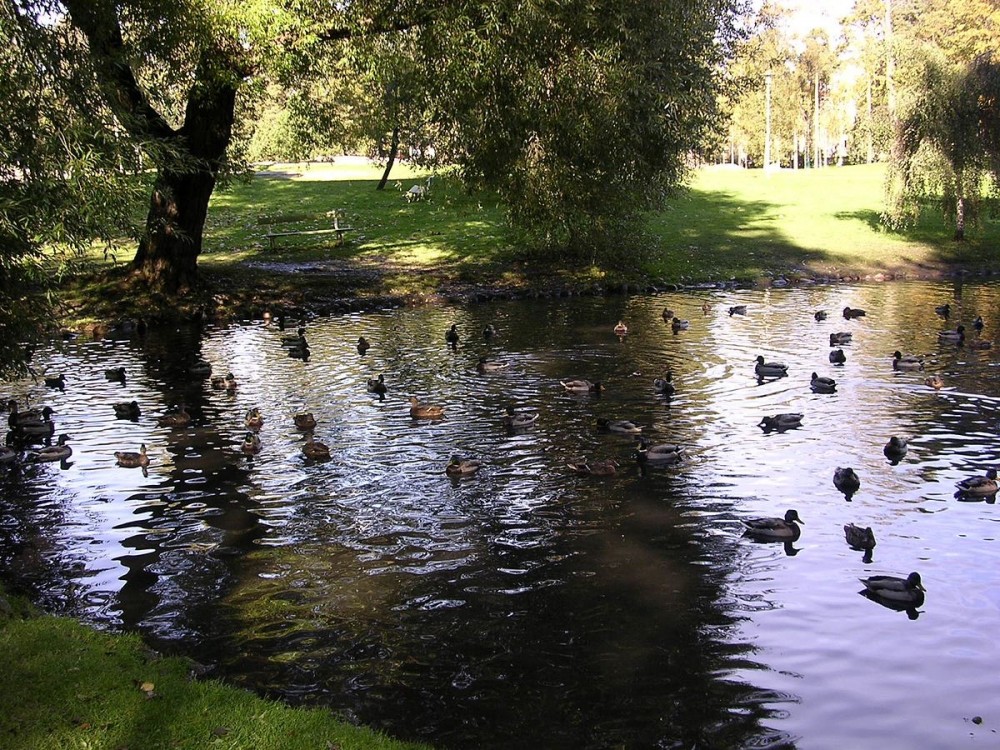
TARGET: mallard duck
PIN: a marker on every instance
(484, 365)
(902, 361)
(115, 375)
(200, 369)
(821, 384)
(251, 444)
(978, 323)
(254, 420)
(662, 454)
(605, 468)
(934, 381)
(837, 357)
(943, 310)
(621, 329)
(907, 590)
(293, 340)
(979, 486)
(582, 386)
(513, 420)
(301, 351)
(127, 410)
(859, 538)
(305, 421)
(623, 426)
(954, 336)
(29, 418)
(315, 450)
(853, 312)
(676, 324)
(770, 369)
(7, 455)
(224, 382)
(489, 332)
(777, 529)
(424, 411)
(705, 308)
(459, 467)
(819, 315)
(665, 385)
(737, 310)
(58, 452)
(895, 449)
(179, 418)
(451, 336)
(780, 422)
(847, 481)
(56, 382)
(840, 338)
(131, 459)
(668, 315)
(363, 345)
(979, 344)
(377, 385)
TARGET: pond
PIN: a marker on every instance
(528, 605)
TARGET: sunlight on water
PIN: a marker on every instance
(528, 605)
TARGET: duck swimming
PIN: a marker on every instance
(604, 468)
(934, 381)
(58, 452)
(363, 345)
(677, 325)
(377, 385)
(819, 315)
(315, 450)
(127, 410)
(840, 338)
(513, 420)
(902, 361)
(853, 312)
(895, 449)
(115, 375)
(820, 384)
(622, 426)
(57, 382)
(657, 455)
(907, 590)
(200, 369)
(954, 336)
(489, 332)
(664, 385)
(737, 310)
(847, 481)
(582, 386)
(458, 467)
(780, 422)
(424, 411)
(451, 336)
(859, 538)
(254, 420)
(304, 421)
(770, 369)
(979, 486)
(132, 459)
(251, 444)
(774, 529)
(484, 365)
(179, 418)
(621, 329)
(837, 357)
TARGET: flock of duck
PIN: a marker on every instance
(31, 430)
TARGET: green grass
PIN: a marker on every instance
(68, 686)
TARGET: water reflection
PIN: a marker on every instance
(533, 603)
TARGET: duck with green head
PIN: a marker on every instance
(774, 529)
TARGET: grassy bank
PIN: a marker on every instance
(68, 686)
(729, 223)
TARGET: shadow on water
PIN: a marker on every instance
(527, 605)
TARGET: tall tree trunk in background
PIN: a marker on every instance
(869, 134)
(960, 218)
(393, 149)
(890, 64)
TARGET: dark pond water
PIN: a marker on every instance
(527, 606)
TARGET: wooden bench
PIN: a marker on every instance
(335, 229)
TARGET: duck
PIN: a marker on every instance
(705, 308)
(985, 486)
(837, 357)
(780, 422)
(127, 410)
(7, 455)
(179, 418)
(770, 369)
(895, 449)
(902, 361)
(115, 375)
(623, 426)
(514, 420)
(737, 310)
(226, 382)
(859, 538)
(424, 411)
(451, 336)
(980, 344)
(676, 325)
(254, 420)
(462, 467)
(820, 384)
(489, 332)
(56, 382)
(58, 452)
(582, 386)
(847, 481)
(200, 369)
(363, 345)
(132, 459)
(819, 315)
(304, 421)
(484, 365)
(315, 450)
(30, 418)
(295, 339)
(668, 315)
(776, 529)
(377, 385)
(953, 336)
(664, 453)
(621, 329)
(605, 468)
(934, 381)
(251, 444)
(840, 338)
(943, 310)
(853, 312)
(978, 324)
(909, 590)
(301, 351)
(665, 385)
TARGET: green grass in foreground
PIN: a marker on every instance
(68, 686)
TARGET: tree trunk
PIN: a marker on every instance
(167, 257)
(960, 219)
(393, 148)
